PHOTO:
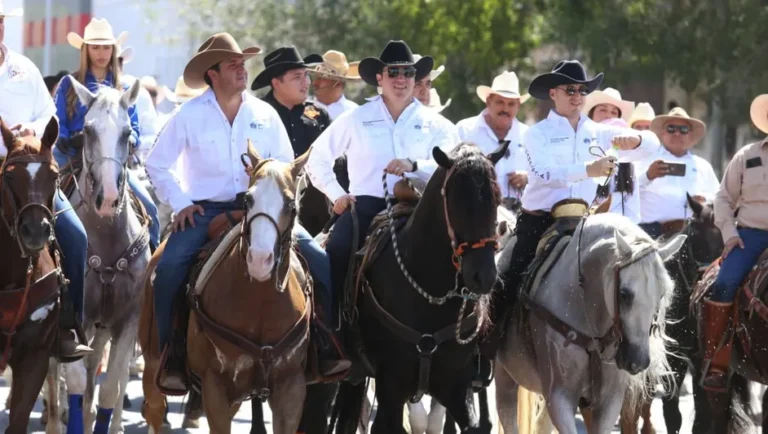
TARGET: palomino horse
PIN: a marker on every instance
(249, 326)
(411, 335)
(31, 278)
(118, 249)
(609, 283)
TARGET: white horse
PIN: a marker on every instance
(610, 277)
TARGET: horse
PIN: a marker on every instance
(31, 277)
(611, 285)
(406, 310)
(118, 249)
(248, 331)
(314, 208)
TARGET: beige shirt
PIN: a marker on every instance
(744, 189)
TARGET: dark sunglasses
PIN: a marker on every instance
(408, 72)
(684, 129)
(571, 90)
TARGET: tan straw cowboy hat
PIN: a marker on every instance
(609, 96)
(11, 13)
(182, 93)
(97, 32)
(698, 128)
(759, 112)
(217, 48)
(505, 85)
(335, 66)
(643, 112)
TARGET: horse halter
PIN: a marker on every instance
(13, 229)
(123, 175)
(462, 248)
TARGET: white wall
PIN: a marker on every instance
(14, 27)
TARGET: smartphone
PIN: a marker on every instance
(676, 169)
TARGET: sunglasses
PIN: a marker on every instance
(571, 90)
(684, 129)
(408, 72)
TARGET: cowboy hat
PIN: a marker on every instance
(280, 61)
(698, 128)
(609, 96)
(182, 93)
(434, 101)
(97, 32)
(395, 53)
(216, 49)
(565, 72)
(643, 112)
(758, 111)
(11, 13)
(335, 66)
(505, 85)
(126, 54)
(435, 72)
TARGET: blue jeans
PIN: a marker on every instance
(74, 245)
(319, 267)
(141, 193)
(739, 262)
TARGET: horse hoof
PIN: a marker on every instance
(116, 429)
(190, 423)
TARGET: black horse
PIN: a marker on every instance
(315, 210)
(407, 320)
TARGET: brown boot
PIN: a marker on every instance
(715, 317)
(69, 348)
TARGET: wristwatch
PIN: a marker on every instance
(415, 166)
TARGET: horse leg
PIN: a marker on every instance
(286, 415)
(671, 400)
(92, 362)
(54, 425)
(154, 406)
(629, 415)
(506, 400)
(460, 404)
(257, 417)
(703, 418)
(417, 417)
(645, 413)
(438, 414)
(194, 410)
(110, 396)
(32, 377)
(8, 374)
(604, 417)
(561, 408)
(216, 404)
(389, 417)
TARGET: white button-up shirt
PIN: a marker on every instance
(337, 108)
(664, 198)
(558, 157)
(371, 139)
(477, 131)
(206, 150)
(24, 98)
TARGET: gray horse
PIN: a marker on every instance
(118, 251)
(625, 288)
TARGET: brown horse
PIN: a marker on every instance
(30, 276)
(249, 326)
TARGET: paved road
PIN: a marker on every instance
(134, 424)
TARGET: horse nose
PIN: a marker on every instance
(260, 260)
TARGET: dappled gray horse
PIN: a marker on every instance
(624, 292)
(118, 253)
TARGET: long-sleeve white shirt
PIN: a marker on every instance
(337, 108)
(558, 157)
(24, 98)
(206, 149)
(664, 198)
(477, 131)
(371, 139)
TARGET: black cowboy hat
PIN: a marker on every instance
(565, 72)
(281, 60)
(395, 53)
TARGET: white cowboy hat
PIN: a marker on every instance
(434, 101)
(149, 83)
(643, 112)
(505, 85)
(609, 96)
(336, 66)
(126, 54)
(182, 93)
(97, 32)
(11, 13)
(758, 111)
(435, 72)
(698, 128)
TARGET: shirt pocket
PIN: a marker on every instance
(752, 183)
(208, 153)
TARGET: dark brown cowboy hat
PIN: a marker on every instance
(395, 53)
(280, 61)
(565, 72)
(217, 48)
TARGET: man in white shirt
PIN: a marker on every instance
(673, 172)
(205, 138)
(329, 80)
(391, 132)
(496, 124)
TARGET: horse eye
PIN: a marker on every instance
(626, 295)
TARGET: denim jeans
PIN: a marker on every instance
(74, 245)
(319, 267)
(739, 262)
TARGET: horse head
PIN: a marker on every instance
(107, 146)
(28, 182)
(470, 199)
(270, 212)
(705, 241)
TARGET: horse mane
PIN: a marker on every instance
(472, 163)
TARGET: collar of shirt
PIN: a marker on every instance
(512, 134)
(404, 116)
(563, 122)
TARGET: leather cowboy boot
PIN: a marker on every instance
(70, 349)
(716, 317)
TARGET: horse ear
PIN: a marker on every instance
(496, 155)
(83, 94)
(668, 250)
(625, 250)
(51, 133)
(253, 154)
(129, 96)
(696, 207)
(7, 135)
(441, 158)
(298, 164)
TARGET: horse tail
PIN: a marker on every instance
(347, 408)
(741, 405)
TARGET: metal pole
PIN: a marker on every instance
(48, 37)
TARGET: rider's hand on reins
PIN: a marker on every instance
(601, 167)
(731, 244)
(343, 203)
(187, 214)
(399, 167)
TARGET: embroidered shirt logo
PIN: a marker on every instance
(418, 127)
(311, 112)
(14, 71)
(257, 125)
